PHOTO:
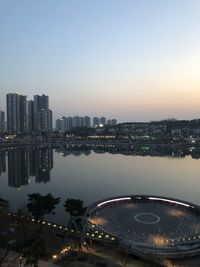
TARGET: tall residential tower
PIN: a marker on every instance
(16, 113)
(2, 121)
(42, 115)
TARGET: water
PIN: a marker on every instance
(90, 176)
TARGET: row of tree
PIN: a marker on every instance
(39, 206)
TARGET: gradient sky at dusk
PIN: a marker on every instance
(129, 59)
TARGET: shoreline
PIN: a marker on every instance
(77, 142)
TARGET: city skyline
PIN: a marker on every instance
(133, 60)
(40, 104)
(26, 116)
(35, 116)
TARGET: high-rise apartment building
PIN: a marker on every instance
(96, 121)
(41, 102)
(102, 120)
(44, 120)
(16, 113)
(2, 121)
(87, 121)
(77, 122)
(66, 124)
(58, 125)
(111, 122)
(30, 116)
(42, 115)
(2, 162)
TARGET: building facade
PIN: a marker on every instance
(40, 116)
(30, 116)
(96, 121)
(2, 121)
(43, 121)
(41, 102)
(16, 113)
(68, 123)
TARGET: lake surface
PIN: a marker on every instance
(90, 176)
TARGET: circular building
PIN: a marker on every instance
(149, 225)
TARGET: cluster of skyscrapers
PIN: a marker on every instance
(68, 123)
(34, 116)
(25, 116)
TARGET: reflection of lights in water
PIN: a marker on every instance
(98, 221)
(158, 240)
(168, 263)
(130, 205)
(176, 213)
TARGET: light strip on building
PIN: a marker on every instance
(113, 200)
(171, 201)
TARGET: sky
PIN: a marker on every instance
(133, 60)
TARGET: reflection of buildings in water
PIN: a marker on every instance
(75, 152)
(2, 162)
(87, 152)
(195, 154)
(141, 150)
(178, 154)
(24, 163)
(43, 165)
(18, 173)
(32, 162)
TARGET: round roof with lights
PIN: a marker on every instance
(150, 225)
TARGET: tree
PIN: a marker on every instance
(4, 251)
(77, 220)
(39, 205)
(3, 255)
(123, 258)
(34, 249)
(4, 205)
(76, 210)
(74, 207)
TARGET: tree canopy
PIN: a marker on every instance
(39, 205)
(74, 207)
(4, 204)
